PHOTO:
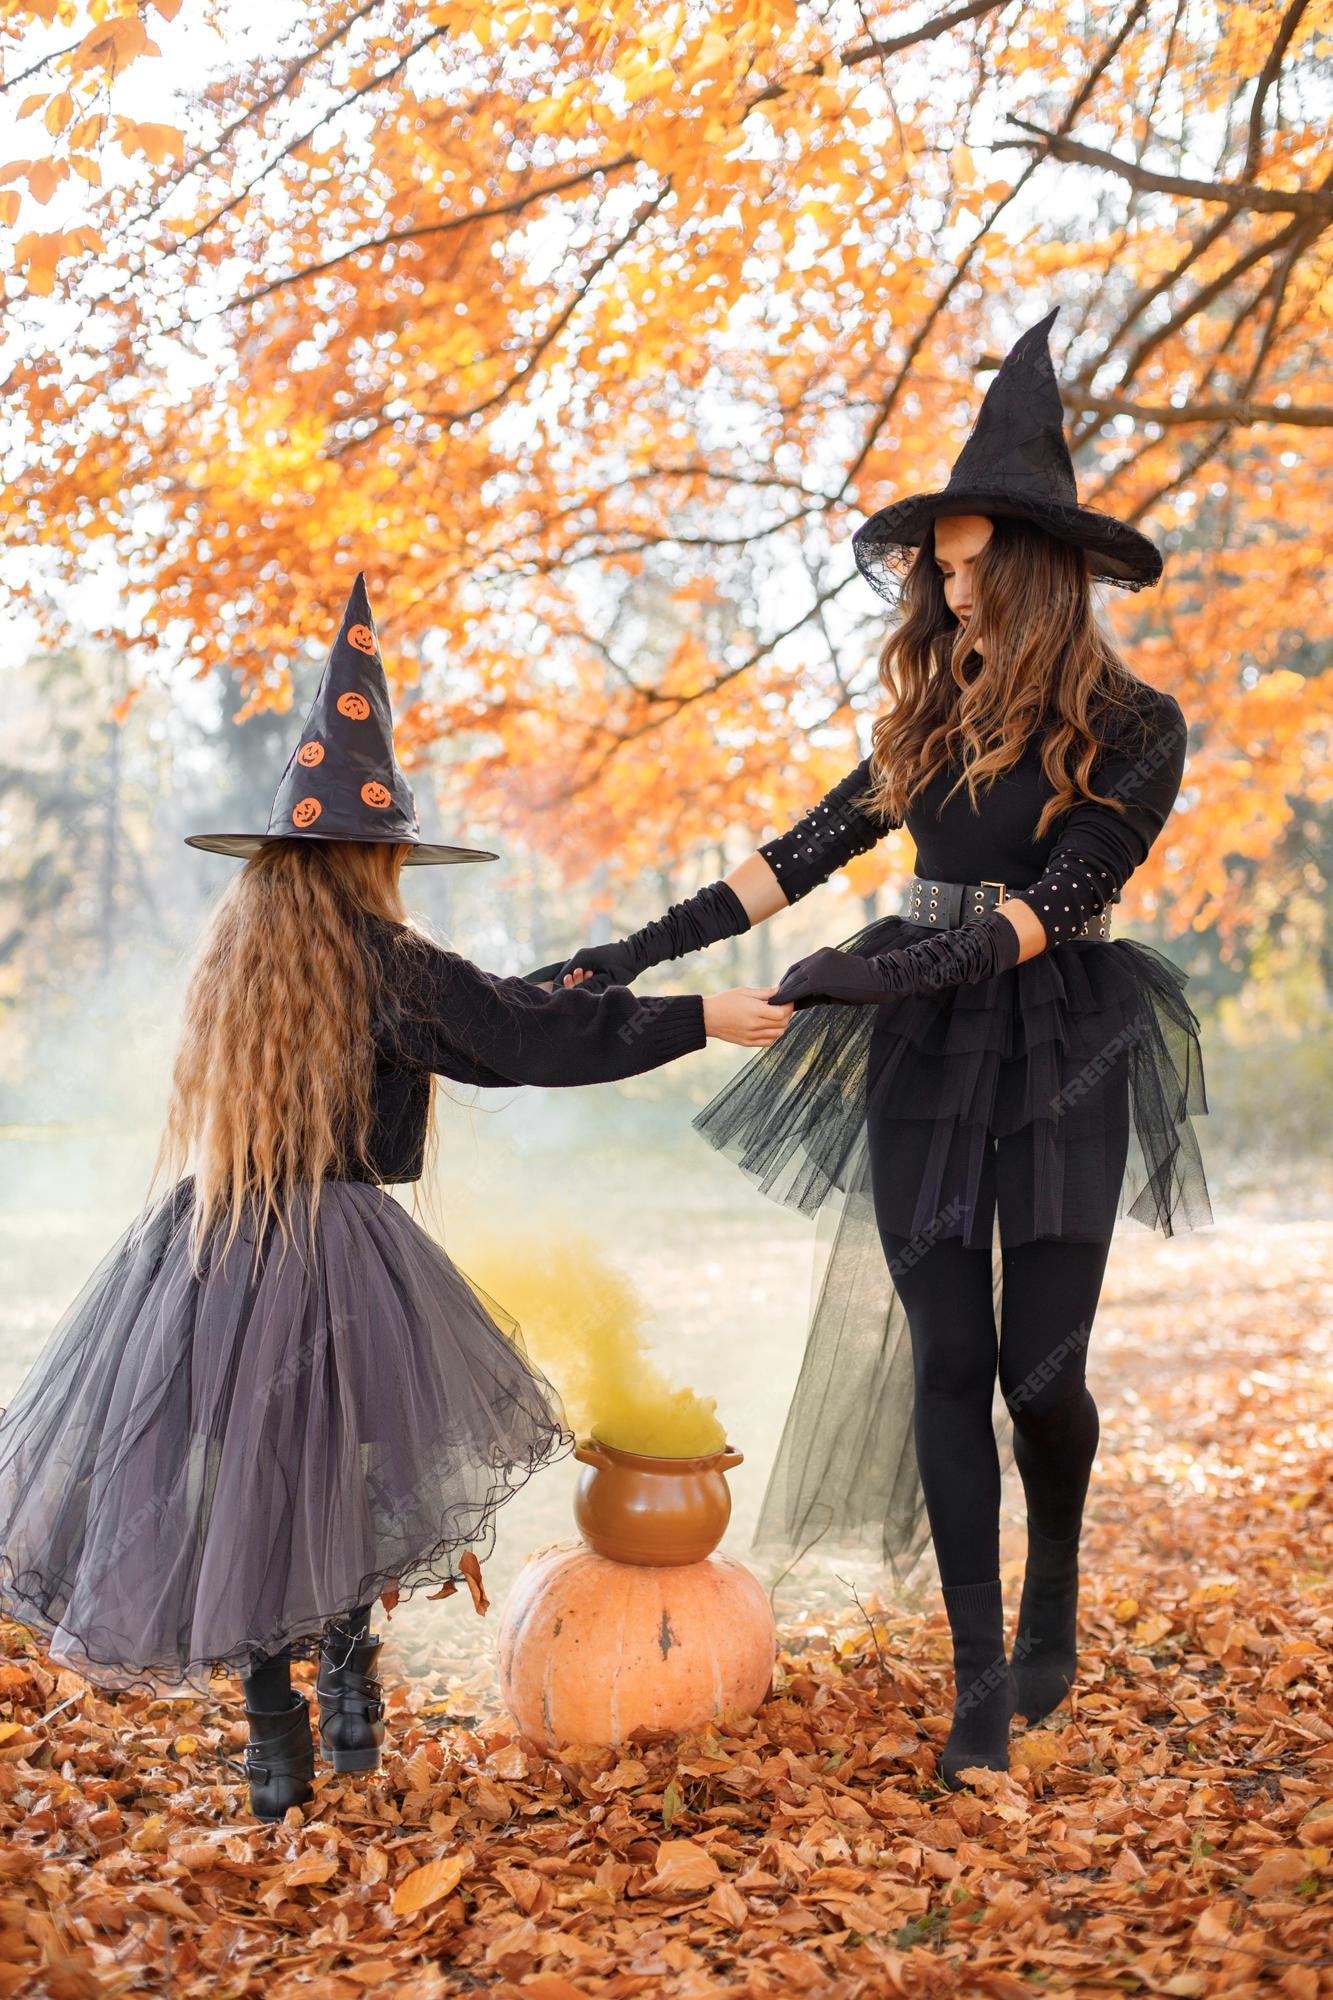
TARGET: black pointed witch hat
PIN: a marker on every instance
(343, 781)
(1015, 462)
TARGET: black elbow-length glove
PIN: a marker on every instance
(712, 913)
(821, 841)
(963, 956)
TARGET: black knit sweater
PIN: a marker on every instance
(438, 1011)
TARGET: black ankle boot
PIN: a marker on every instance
(1045, 1657)
(351, 1708)
(980, 1732)
(280, 1758)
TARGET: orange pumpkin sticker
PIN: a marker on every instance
(306, 811)
(375, 794)
(362, 638)
(354, 706)
(310, 753)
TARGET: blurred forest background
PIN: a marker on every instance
(590, 338)
(590, 335)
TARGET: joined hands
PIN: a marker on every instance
(749, 1016)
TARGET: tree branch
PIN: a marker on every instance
(1232, 194)
(587, 280)
(13, 82)
(1278, 243)
(674, 704)
(302, 139)
(918, 341)
(514, 206)
(1195, 461)
(279, 89)
(1267, 78)
(871, 51)
(1312, 416)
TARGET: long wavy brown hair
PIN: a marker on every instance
(1044, 663)
(273, 1072)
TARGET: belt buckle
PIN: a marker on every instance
(1003, 888)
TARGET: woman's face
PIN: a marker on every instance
(959, 540)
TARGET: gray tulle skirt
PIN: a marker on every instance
(202, 1467)
(1046, 1102)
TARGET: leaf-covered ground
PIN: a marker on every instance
(1170, 1831)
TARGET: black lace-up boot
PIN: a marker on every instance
(280, 1757)
(351, 1705)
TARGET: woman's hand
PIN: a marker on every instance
(963, 956)
(843, 975)
(745, 1015)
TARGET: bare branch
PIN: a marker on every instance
(1278, 244)
(303, 139)
(279, 90)
(1232, 194)
(1313, 416)
(514, 206)
(873, 51)
(919, 339)
(1268, 76)
(12, 82)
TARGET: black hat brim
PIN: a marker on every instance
(240, 846)
(885, 544)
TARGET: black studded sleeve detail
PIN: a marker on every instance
(828, 836)
(1097, 849)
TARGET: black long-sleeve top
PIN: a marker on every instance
(435, 1010)
(1082, 862)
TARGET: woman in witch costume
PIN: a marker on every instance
(990, 1055)
(276, 1395)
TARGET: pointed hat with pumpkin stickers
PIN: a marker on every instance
(342, 781)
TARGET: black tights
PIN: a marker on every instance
(1050, 1293)
(268, 1685)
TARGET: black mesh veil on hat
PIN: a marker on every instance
(343, 780)
(1015, 462)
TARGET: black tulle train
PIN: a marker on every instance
(1045, 1102)
(201, 1467)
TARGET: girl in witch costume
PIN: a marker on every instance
(276, 1395)
(992, 1055)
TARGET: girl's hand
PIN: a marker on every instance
(576, 978)
(743, 1015)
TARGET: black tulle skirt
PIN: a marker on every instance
(1045, 1102)
(202, 1467)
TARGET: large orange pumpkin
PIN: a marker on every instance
(591, 1649)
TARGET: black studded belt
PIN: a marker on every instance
(948, 904)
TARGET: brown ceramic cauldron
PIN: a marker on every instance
(662, 1512)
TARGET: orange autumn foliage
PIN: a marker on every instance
(593, 331)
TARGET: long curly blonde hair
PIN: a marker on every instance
(1032, 655)
(273, 1071)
